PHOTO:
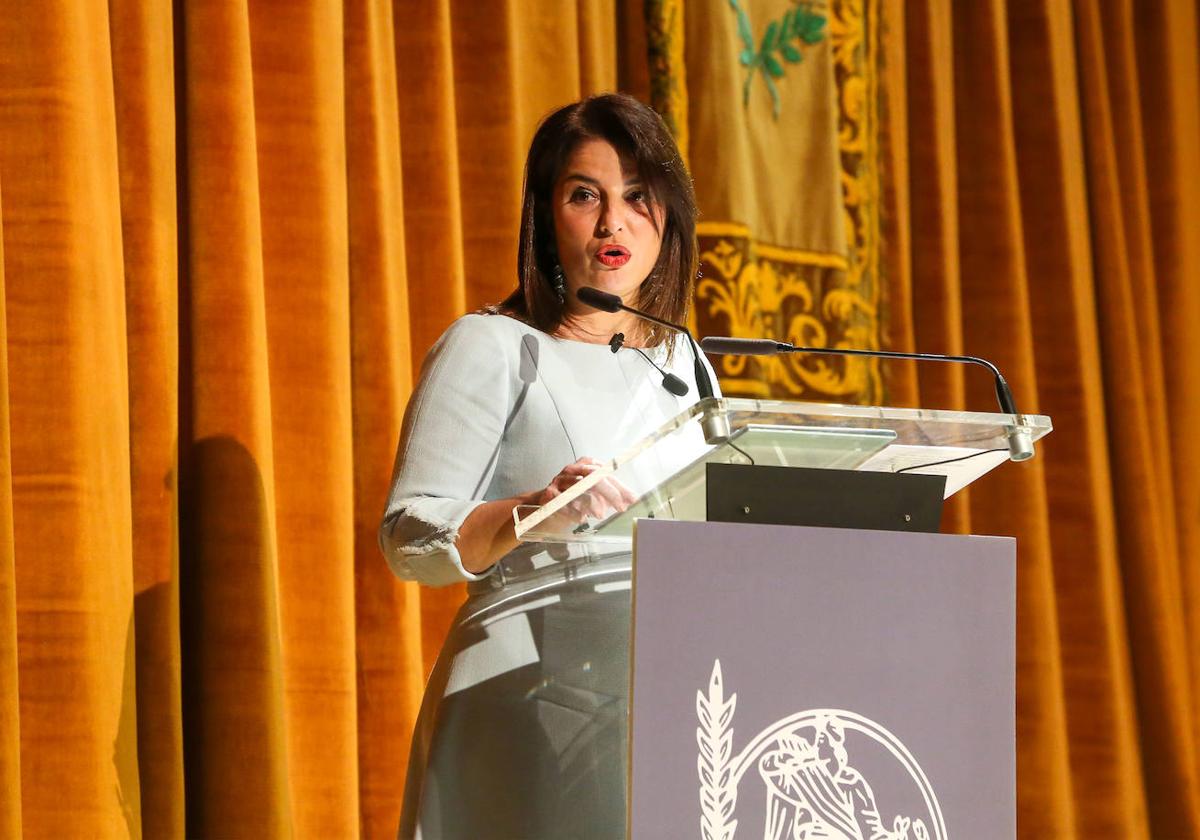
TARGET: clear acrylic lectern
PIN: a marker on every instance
(663, 475)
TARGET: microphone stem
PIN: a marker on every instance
(646, 316)
(892, 354)
(703, 385)
(1003, 392)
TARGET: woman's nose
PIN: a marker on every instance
(609, 222)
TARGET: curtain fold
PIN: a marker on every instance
(389, 674)
(299, 110)
(1104, 749)
(1169, 76)
(10, 695)
(143, 57)
(68, 411)
(429, 157)
(229, 552)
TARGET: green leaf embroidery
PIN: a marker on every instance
(781, 42)
(774, 91)
(809, 27)
(768, 41)
(743, 22)
(787, 26)
(773, 65)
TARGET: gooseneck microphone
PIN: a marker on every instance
(1020, 444)
(672, 383)
(715, 424)
(606, 302)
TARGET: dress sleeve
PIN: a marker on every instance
(451, 438)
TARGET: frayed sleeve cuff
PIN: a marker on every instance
(418, 540)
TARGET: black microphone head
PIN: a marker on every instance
(597, 299)
(675, 385)
(614, 343)
(725, 345)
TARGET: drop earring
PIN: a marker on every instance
(559, 283)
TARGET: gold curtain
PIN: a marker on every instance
(1043, 191)
(230, 231)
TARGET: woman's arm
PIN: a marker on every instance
(453, 430)
(487, 533)
(437, 528)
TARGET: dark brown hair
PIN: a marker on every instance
(643, 142)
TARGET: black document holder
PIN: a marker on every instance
(881, 501)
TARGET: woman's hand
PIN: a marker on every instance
(487, 533)
(607, 497)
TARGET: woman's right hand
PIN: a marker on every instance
(607, 497)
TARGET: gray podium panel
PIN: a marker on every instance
(816, 682)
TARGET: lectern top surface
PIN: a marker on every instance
(664, 472)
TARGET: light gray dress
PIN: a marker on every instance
(522, 730)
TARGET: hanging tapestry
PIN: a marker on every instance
(774, 105)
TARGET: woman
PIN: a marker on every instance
(522, 731)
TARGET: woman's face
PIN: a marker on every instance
(604, 226)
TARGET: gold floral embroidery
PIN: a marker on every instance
(749, 295)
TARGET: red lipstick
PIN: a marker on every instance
(613, 256)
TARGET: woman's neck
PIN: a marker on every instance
(599, 327)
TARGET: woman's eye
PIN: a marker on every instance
(637, 196)
(581, 195)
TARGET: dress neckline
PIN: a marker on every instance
(579, 342)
